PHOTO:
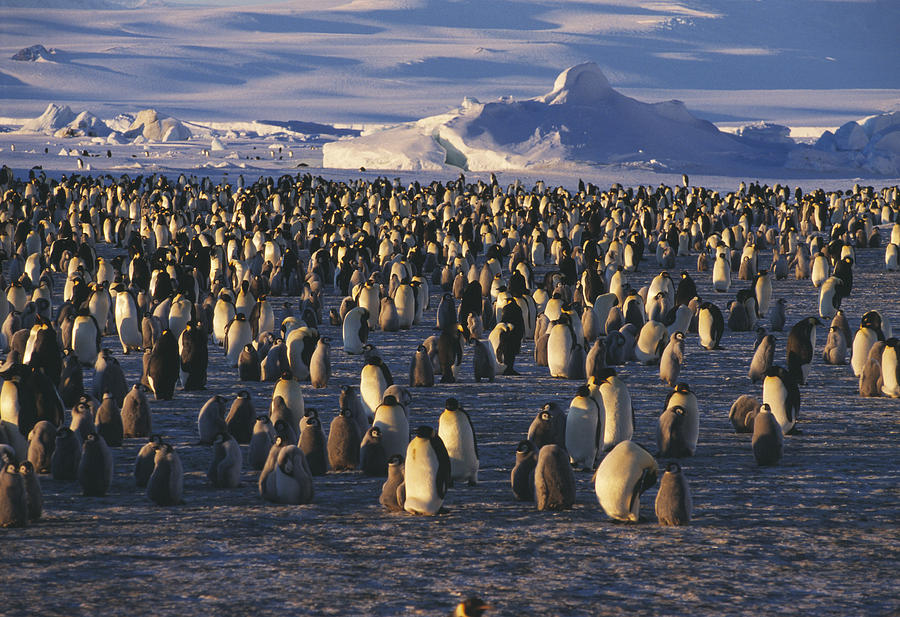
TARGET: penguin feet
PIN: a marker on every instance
(512, 372)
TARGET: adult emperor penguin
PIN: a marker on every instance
(13, 497)
(782, 393)
(522, 476)
(721, 279)
(801, 345)
(393, 492)
(288, 480)
(554, 480)
(320, 363)
(618, 422)
(194, 356)
(626, 472)
(672, 359)
(762, 287)
(163, 366)
(343, 442)
(762, 358)
(456, 431)
(237, 334)
(225, 467)
(241, 417)
(427, 472)
(710, 325)
(391, 420)
(450, 352)
(166, 484)
(95, 469)
(651, 342)
(674, 504)
(560, 347)
(223, 313)
(869, 332)
(835, 351)
(355, 330)
(373, 381)
(890, 368)
(768, 439)
(85, 337)
(584, 430)
(672, 434)
(128, 321)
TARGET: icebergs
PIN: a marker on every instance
(61, 121)
(149, 125)
(581, 120)
(35, 53)
(872, 145)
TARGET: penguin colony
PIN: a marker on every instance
(185, 271)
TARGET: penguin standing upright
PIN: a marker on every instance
(320, 363)
(136, 419)
(128, 321)
(372, 457)
(782, 394)
(890, 368)
(391, 420)
(166, 484)
(66, 458)
(801, 345)
(95, 469)
(835, 351)
(108, 421)
(211, 419)
(162, 369)
(674, 504)
(225, 467)
(554, 480)
(393, 491)
(456, 431)
(618, 422)
(373, 381)
(768, 439)
(762, 359)
(288, 479)
(672, 359)
(241, 417)
(710, 325)
(85, 337)
(237, 334)
(522, 476)
(626, 472)
(343, 442)
(194, 356)
(41, 442)
(427, 472)
(13, 497)
(584, 430)
(144, 461)
(260, 442)
(355, 330)
(421, 371)
(450, 352)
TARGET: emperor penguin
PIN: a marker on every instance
(163, 366)
(194, 356)
(320, 363)
(768, 439)
(584, 430)
(66, 458)
(682, 396)
(136, 419)
(86, 337)
(108, 421)
(373, 381)
(250, 368)
(782, 394)
(237, 334)
(391, 489)
(672, 434)
(289, 390)
(548, 426)
(34, 499)
(211, 420)
(890, 368)
(618, 423)
(128, 321)
(421, 371)
(13, 497)
(241, 417)
(166, 484)
(830, 295)
(392, 421)
(762, 359)
(450, 352)
(456, 431)
(372, 458)
(777, 315)
(623, 475)
(560, 347)
(674, 504)
(405, 301)
(388, 318)
(710, 325)
(260, 442)
(288, 480)
(871, 380)
(41, 442)
(801, 344)
(554, 480)
(349, 399)
(891, 257)
(651, 342)
(313, 443)
(742, 413)
(225, 466)
(762, 287)
(343, 442)
(95, 469)
(672, 359)
(721, 272)
(223, 313)
(868, 334)
(835, 347)
(522, 476)
(427, 472)
(144, 461)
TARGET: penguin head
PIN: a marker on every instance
(583, 391)
(389, 401)
(425, 432)
(678, 410)
(525, 447)
(451, 404)
(375, 432)
(395, 460)
(673, 467)
(472, 607)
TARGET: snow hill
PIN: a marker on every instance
(581, 120)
